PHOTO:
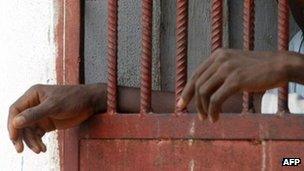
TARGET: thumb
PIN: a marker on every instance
(32, 115)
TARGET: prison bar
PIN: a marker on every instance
(216, 24)
(248, 44)
(146, 56)
(181, 48)
(112, 56)
(283, 39)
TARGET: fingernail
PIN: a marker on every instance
(18, 147)
(43, 148)
(18, 121)
(211, 120)
(36, 149)
(180, 103)
(200, 117)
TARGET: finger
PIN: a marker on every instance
(189, 89)
(19, 144)
(220, 96)
(34, 114)
(40, 143)
(27, 100)
(14, 133)
(207, 89)
(199, 107)
(39, 134)
(30, 140)
(200, 82)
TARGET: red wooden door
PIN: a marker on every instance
(174, 141)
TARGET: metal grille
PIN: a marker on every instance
(181, 49)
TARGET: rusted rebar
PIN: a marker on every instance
(283, 39)
(248, 44)
(146, 58)
(181, 48)
(112, 56)
(216, 24)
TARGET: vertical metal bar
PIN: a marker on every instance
(181, 49)
(248, 44)
(146, 58)
(216, 24)
(283, 39)
(112, 56)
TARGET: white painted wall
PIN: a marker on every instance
(27, 57)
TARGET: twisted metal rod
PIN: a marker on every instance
(112, 56)
(248, 44)
(216, 24)
(283, 39)
(181, 49)
(146, 57)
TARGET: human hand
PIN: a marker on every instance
(227, 72)
(44, 108)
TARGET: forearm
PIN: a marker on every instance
(294, 67)
(162, 102)
(128, 100)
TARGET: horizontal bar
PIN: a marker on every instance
(188, 126)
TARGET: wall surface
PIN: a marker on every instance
(26, 58)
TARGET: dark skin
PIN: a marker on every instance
(226, 73)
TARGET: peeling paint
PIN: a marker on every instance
(190, 142)
(192, 128)
(191, 165)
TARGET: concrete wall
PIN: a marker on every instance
(26, 58)
(129, 37)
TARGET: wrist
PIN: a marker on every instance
(98, 97)
(294, 67)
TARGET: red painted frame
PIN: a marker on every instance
(69, 71)
(150, 126)
(188, 126)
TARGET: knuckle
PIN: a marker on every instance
(29, 115)
(233, 82)
(220, 52)
(222, 55)
(36, 87)
(227, 66)
(12, 108)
